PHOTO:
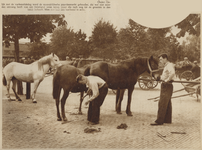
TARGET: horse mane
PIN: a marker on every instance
(134, 60)
(43, 60)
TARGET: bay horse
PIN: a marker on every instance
(123, 76)
(65, 78)
(81, 64)
(33, 73)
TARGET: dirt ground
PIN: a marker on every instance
(29, 125)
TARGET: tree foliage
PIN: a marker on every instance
(158, 39)
(132, 40)
(64, 41)
(190, 25)
(81, 46)
(136, 40)
(33, 27)
(173, 48)
(103, 40)
(191, 49)
(61, 41)
(38, 49)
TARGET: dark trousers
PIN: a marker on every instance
(94, 106)
(165, 106)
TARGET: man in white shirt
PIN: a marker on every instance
(164, 114)
(99, 90)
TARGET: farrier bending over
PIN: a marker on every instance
(99, 90)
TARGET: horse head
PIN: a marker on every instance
(153, 67)
(54, 60)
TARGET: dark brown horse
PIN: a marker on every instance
(65, 78)
(118, 76)
(71, 72)
(123, 76)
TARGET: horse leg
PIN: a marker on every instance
(117, 98)
(57, 102)
(36, 84)
(8, 88)
(81, 100)
(63, 101)
(13, 87)
(128, 111)
(118, 107)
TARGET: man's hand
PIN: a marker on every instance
(89, 92)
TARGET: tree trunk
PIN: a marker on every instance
(19, 83)
(16, 49)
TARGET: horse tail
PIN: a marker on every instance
(87, 71)
(56, 86)
(4, 80)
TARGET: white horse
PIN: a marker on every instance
(33, 73)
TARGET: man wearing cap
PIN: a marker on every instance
(164, 114)
(99, 90)
(186, 62)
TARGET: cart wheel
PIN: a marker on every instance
(155, 83)
(143, 84)
(152, 83)
(186, 76)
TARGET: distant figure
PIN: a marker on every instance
(67, 58)
(23, 60)
(196, 70)
(186, 62)
(195, 63)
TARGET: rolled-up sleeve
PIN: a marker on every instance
(95, 91)
(171, 70)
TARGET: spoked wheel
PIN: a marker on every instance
(152, 84)
(186, 76)
(144, 83)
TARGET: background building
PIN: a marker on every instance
(8, 52)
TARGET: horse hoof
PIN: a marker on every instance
(19, 99)
(65, 119)
(59, 119)
(34, 101)
(80, 113)
(130, 114)
(119, 113)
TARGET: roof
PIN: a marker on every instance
(93, 58)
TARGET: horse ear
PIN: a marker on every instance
(151, 57)
(53, 54)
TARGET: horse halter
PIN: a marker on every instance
(150, 69)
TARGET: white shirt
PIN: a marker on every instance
(168, 72)
(94, 83)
